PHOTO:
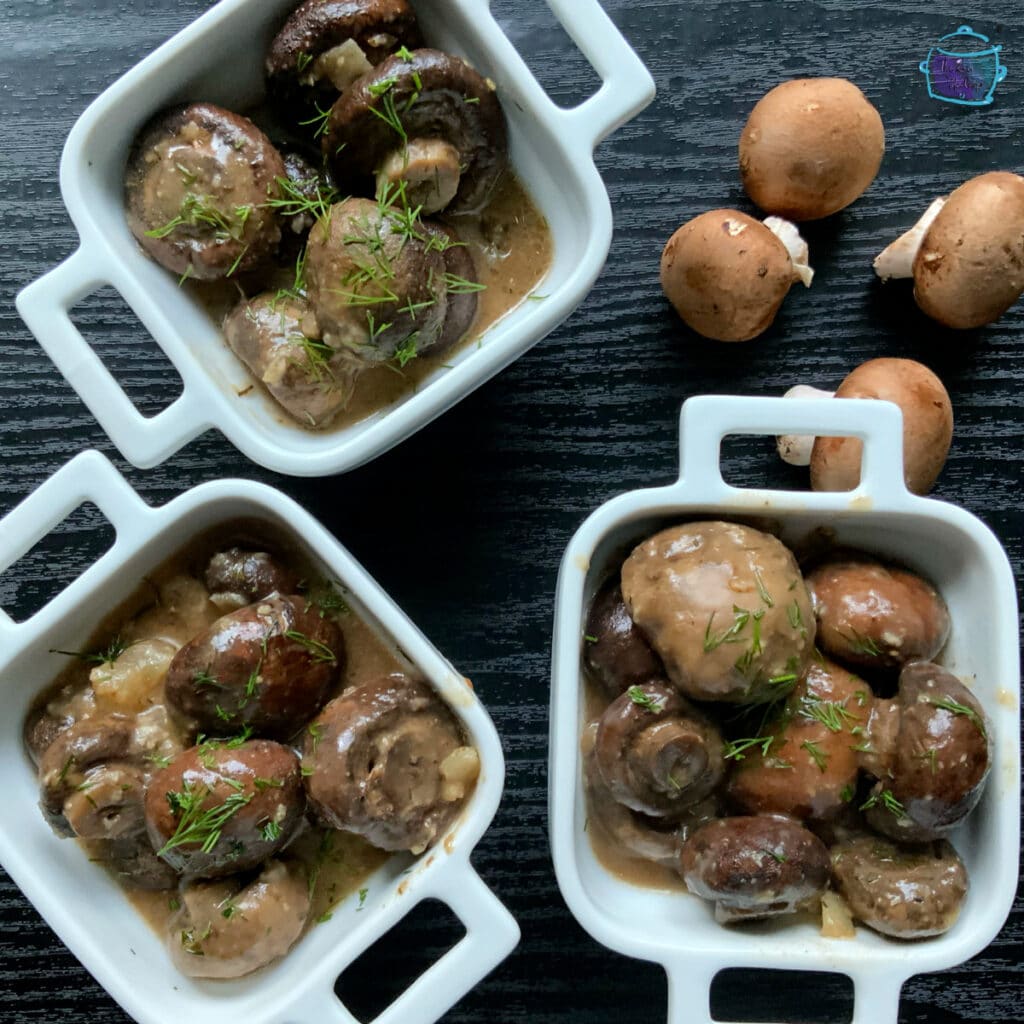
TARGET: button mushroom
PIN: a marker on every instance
(927, 426)
(874, 615)
(754, 867)
(810, 147)
(615, 651)
(197, 187)
(656, 753)
(796, 448)
(325, 45)
(425, 119)
(724, 606)
(966, 254)
(726, 274)
(377, 283)
(224, 807)
(230, 928)
(904, 892)
(269, 666)
(278, 339)
(639, 835)
(238, 576)
(381, 760)
(931, 753)
(804, 763)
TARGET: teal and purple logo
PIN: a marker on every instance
(963, 68)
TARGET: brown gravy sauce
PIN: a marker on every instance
(511, 245)
(168, 609)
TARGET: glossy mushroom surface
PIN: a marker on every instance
(874, 615)
(614, 650)
(724, 606)
(388, 761)
(430, 96)
(197, 188)
(243, 575)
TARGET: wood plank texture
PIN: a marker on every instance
(500, 483)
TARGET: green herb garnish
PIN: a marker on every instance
(644, 700)
(319, 651)
(956, 708)
(887, 800)
(819, 756)
(736, 750)
(199, 825)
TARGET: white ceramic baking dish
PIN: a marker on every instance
(219, 58)
(88, 909)
(948, 545)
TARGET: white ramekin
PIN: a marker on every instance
(88, 909)
(220, 58)
(942, 541)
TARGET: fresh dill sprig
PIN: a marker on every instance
(107, 656)
(956, 708)
(861, 644)
(644, 700)
(294, 202)
(818, 756)
(198, 824)
(736, 750)
(461, 285)
(302, 61)
(762, 590)
(406, 352)
(731, 635)
(832, 714)
(887, 800)
(321, 121)
(320, 651)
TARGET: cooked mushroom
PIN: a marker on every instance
(639, 835)
(238, 576)
(269, 666)
(278, 338)
(874, 615)
(388, 761)
(305, 192)
(462, 284)
(197, 187)
(376, 282)
(325, 45)
(804, 763)
(230, 928)
(41, 728)
(614, 650)
(931, 753)
(726, 273)
(220, 808)
(927, 426)
(966, 254)
(656, 753)
(905, 892)
(424, 121)
(724, 606)
(754, 867)
(810, 147)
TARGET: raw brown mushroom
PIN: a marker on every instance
(810, 147)
(966, 254)
(419, 122)
(931, 753)
(927, 426)
(325, 45)
(197, 187)
(726, 273)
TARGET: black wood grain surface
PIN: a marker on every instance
(499, 484)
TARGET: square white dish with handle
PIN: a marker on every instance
(220, 58)
(945, 543)
(87, 908)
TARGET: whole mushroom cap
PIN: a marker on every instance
(726, 274)
(810, 147)
(970, 267)
(425, 95)
(927, 426)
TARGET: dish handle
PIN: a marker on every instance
(87, 477)
(626, 84)
(491, 934)
(876, 996)
(706, 419)
(43, 305)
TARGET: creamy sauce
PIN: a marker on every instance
(511, 245)
(169, 609)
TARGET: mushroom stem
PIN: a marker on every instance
(897, 259)
(796, 448)
(789, 235)
(430, 170)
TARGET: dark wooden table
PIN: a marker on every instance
(590, 412)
